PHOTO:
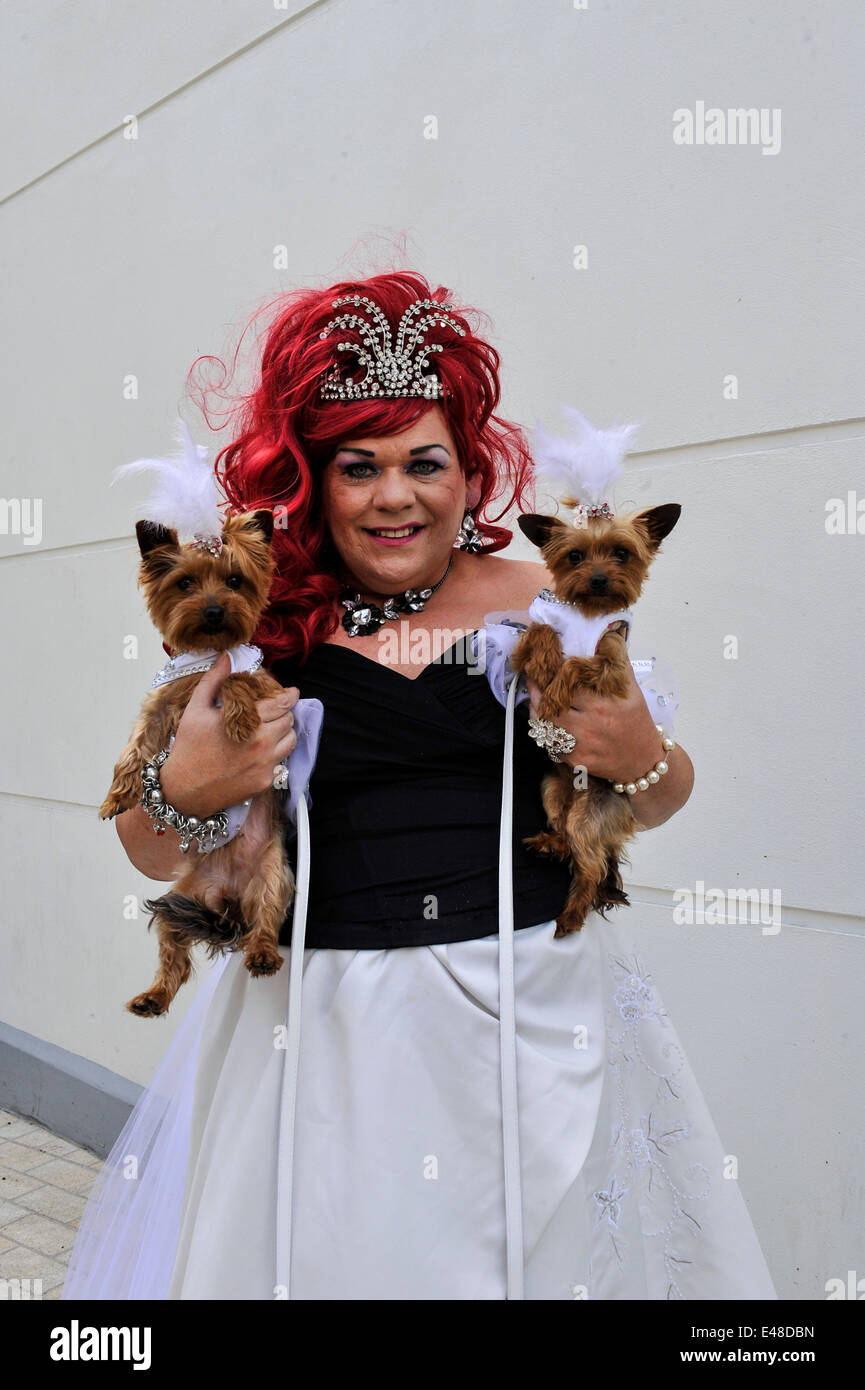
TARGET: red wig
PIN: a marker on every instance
(285, 434)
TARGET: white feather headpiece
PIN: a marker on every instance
(584, 467)
(184, 495)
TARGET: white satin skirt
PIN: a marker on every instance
(397, 1189)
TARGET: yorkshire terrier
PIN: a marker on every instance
(599, 567)
(236, 895)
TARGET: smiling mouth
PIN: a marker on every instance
(393, 532)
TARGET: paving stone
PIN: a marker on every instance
(59, 1172)
(52, 1201)
(46, 1142)
(85, 1157)
(15, 1126)
(40, 1233)
(35, 1136)
(12, 1184)
(30, 1264)
(21, 1157)
(10, 1211)
(6, 1244)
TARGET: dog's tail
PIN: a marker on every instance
(219, 931)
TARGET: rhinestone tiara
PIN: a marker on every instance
(390, 370)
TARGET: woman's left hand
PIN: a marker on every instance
(617, 739)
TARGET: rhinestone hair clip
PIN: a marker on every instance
(583, 511)
(390, 371)
(213, 544)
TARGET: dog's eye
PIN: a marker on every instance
(184, 582)
(620, 553)
(576, 557)
(234, 581)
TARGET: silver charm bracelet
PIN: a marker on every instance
(165, 817)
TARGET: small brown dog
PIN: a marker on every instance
(599, 568)
(235, 896)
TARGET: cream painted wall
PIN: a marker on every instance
(262, 127)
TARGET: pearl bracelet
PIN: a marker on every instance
(640, 784)
(165, 816)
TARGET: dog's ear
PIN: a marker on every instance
(261, 521)
(539, 529)
(658, 522)
(151, 535)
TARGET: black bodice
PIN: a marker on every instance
(406, 803)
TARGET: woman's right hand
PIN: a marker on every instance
(206, 771)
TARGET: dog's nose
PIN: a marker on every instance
(599, 583)
(213, 614)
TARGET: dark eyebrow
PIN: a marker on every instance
(370, 453)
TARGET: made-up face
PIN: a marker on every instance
(393, 505)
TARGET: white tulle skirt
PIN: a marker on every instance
(397, 1187)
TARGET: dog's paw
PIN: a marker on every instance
(240, 724)
(240, 717)
(553, 700)
(149, 1005)
(263, 961)
(572, 918)
(548, 842)
(566, 925)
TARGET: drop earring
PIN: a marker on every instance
(468, 536)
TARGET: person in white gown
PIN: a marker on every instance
(442, 1100)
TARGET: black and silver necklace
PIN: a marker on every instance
(363, 617)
